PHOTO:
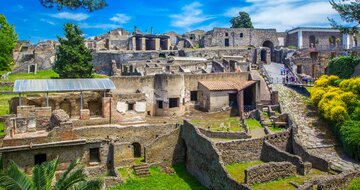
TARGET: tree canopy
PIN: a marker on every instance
(241, 21)
(8, 40)
(89, 5)
(349, 11)
(73, 57)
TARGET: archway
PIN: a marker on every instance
(270, 45)
(312, 41)
(137, 149)
(263, 55)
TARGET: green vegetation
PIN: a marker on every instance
(47, 74)
(355, 184)
(241, 21)
(343, 66)
(237, 170)
(349, 12)
(73, 57)
(8, 40)
(43, 176)
(180, 180)
(218, 122)
(2, 130)
(275, 129)
(75, 4)
(284, 184)
(253, 124)
(292, 47)
(338, 101)
(140, 160)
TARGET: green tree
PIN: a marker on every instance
(349, 12)
(241, 21)
(8, 39)
(13, 178)
(343, 66)
(73, 57)
(89, 5)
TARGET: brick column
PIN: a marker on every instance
(241, 103)
(133, 41)
(157, 43)
(143, 44)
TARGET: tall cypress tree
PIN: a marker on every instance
(8, 39)
(73, 57)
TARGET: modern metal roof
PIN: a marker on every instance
(63, 85)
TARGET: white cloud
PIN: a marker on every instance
(191, 14)
(47, 21)
(99, 26)
(286, 14)
(120, 18)
(71, 16)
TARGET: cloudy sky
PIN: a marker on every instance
(34, 22)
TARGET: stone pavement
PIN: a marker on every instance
(314, 134)
(273, 70)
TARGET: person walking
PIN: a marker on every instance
(287, 71)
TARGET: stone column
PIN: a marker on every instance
(143, 44)
(346, 41)
(168, 44)
(300, 39)
(157, 43)
(106, 107)
(133, 42)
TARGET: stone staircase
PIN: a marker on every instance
(142, 170)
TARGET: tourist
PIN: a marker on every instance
(287, 70)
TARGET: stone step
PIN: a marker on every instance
(141, 166)
(142, 169)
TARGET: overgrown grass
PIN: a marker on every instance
(284, 184)
(2, 130)
(180, 180)
(219, 124)
(355, 184)
(237, 170)
(252, 124)
(139, 160)
(275, 129)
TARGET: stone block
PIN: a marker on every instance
(57, 117)
(26, 111)
(85, 114)
(106, 106)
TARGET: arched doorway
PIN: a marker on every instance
(137, 149)
(263, 55)
(312, 41)
(270, 45)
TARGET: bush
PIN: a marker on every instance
(343, 66)
(350, 137)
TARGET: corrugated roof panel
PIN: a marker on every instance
(63, 85)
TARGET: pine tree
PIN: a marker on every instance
(8, 39)
(241, 21)
(349, 12)
(73, 57)
(89, 5)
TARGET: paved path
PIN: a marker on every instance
(314, 134)
(273, 70)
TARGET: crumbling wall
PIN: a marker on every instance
(224, 135)
(340, 181)
(240, 150)
(269, 172)
(166, 150)
(204, 163)
(271, 153)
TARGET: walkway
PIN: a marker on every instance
(315, 135)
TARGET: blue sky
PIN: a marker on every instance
(34, 22)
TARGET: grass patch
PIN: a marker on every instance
(237, 170)
(2, 130)
(275, 129)
(139, 160)
(354, 184)
(180, 180)
(219, 124)
(284, 184)
(253, 124)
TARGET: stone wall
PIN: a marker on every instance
(204, 163)
(269, 172)
(281, 140)
(166, 150)
(271, 153)
(224, 135)
(240, 150)
(340, 181)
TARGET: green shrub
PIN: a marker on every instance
(350, 137)
(355, 184)
(343, 66)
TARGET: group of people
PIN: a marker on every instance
(289, 78)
